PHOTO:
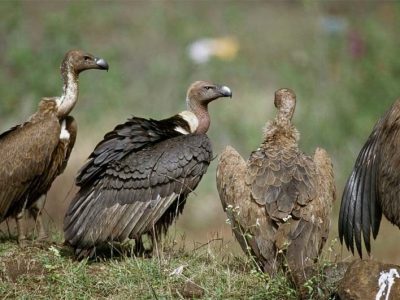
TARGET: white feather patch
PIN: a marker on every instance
(64, 134)
(191, 119)
(181, 130)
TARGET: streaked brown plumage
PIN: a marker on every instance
(37, 151)
(373, 187)
(279, 201)
(138, 177)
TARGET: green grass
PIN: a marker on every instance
(210, 272)
(47, 270)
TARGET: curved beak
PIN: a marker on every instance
(101, 63)
(225, 91)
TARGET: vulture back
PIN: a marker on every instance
(279, 201)
(145, 189)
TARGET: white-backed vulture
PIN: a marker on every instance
(278, 202)
(373, 187)
(36, 152)
(138, 177)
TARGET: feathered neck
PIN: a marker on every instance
(69, 97)
(277, 131)
(201, 112)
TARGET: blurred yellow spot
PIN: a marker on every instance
(224, 48)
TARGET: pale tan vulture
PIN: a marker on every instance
(36, 152)
(138, 177)
(373, 187)
(279, 201)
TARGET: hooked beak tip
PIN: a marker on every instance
(102, 64)
(226, 91)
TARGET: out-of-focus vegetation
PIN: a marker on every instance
(340, 58)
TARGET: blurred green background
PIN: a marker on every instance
(341, 58)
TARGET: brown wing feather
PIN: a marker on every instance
(137, 192)
(26, 151)
(306, 236)
(283, 180)
(252, 229)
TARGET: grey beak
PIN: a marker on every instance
(101, 63)
(225, 91)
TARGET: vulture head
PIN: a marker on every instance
(203, 92)
(285, 102)
(78, 61)
(199, 95)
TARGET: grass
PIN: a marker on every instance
(208, 271)
(47, 270)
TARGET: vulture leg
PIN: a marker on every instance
(20, 220)
(141, 250)
(139, 247)
(36, 211)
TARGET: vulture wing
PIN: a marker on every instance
(26, 151)
(132, 136)
(326, 194)
(373, 185)
(137, 192)
(253, 231)
(308, 234)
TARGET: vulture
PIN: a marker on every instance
(373, 187)
(137, 179)
(35, 152)
(278, 202)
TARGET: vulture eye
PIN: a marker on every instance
(208, 87)
(86, 58)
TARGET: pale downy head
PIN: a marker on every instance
(203, 92)
(285, 102)
(199, 95)
(77, 61)
(74, 62)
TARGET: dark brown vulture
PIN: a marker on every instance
(138, 177)
(36, 152)
(278, 202)
(373, 187)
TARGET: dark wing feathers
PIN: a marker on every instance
(131, 195)
(359, 210)
(134, 135)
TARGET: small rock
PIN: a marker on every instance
(319, 282)
(192, 290)
(368, 279)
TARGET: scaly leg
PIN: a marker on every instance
(20, 219)
(36, 211)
